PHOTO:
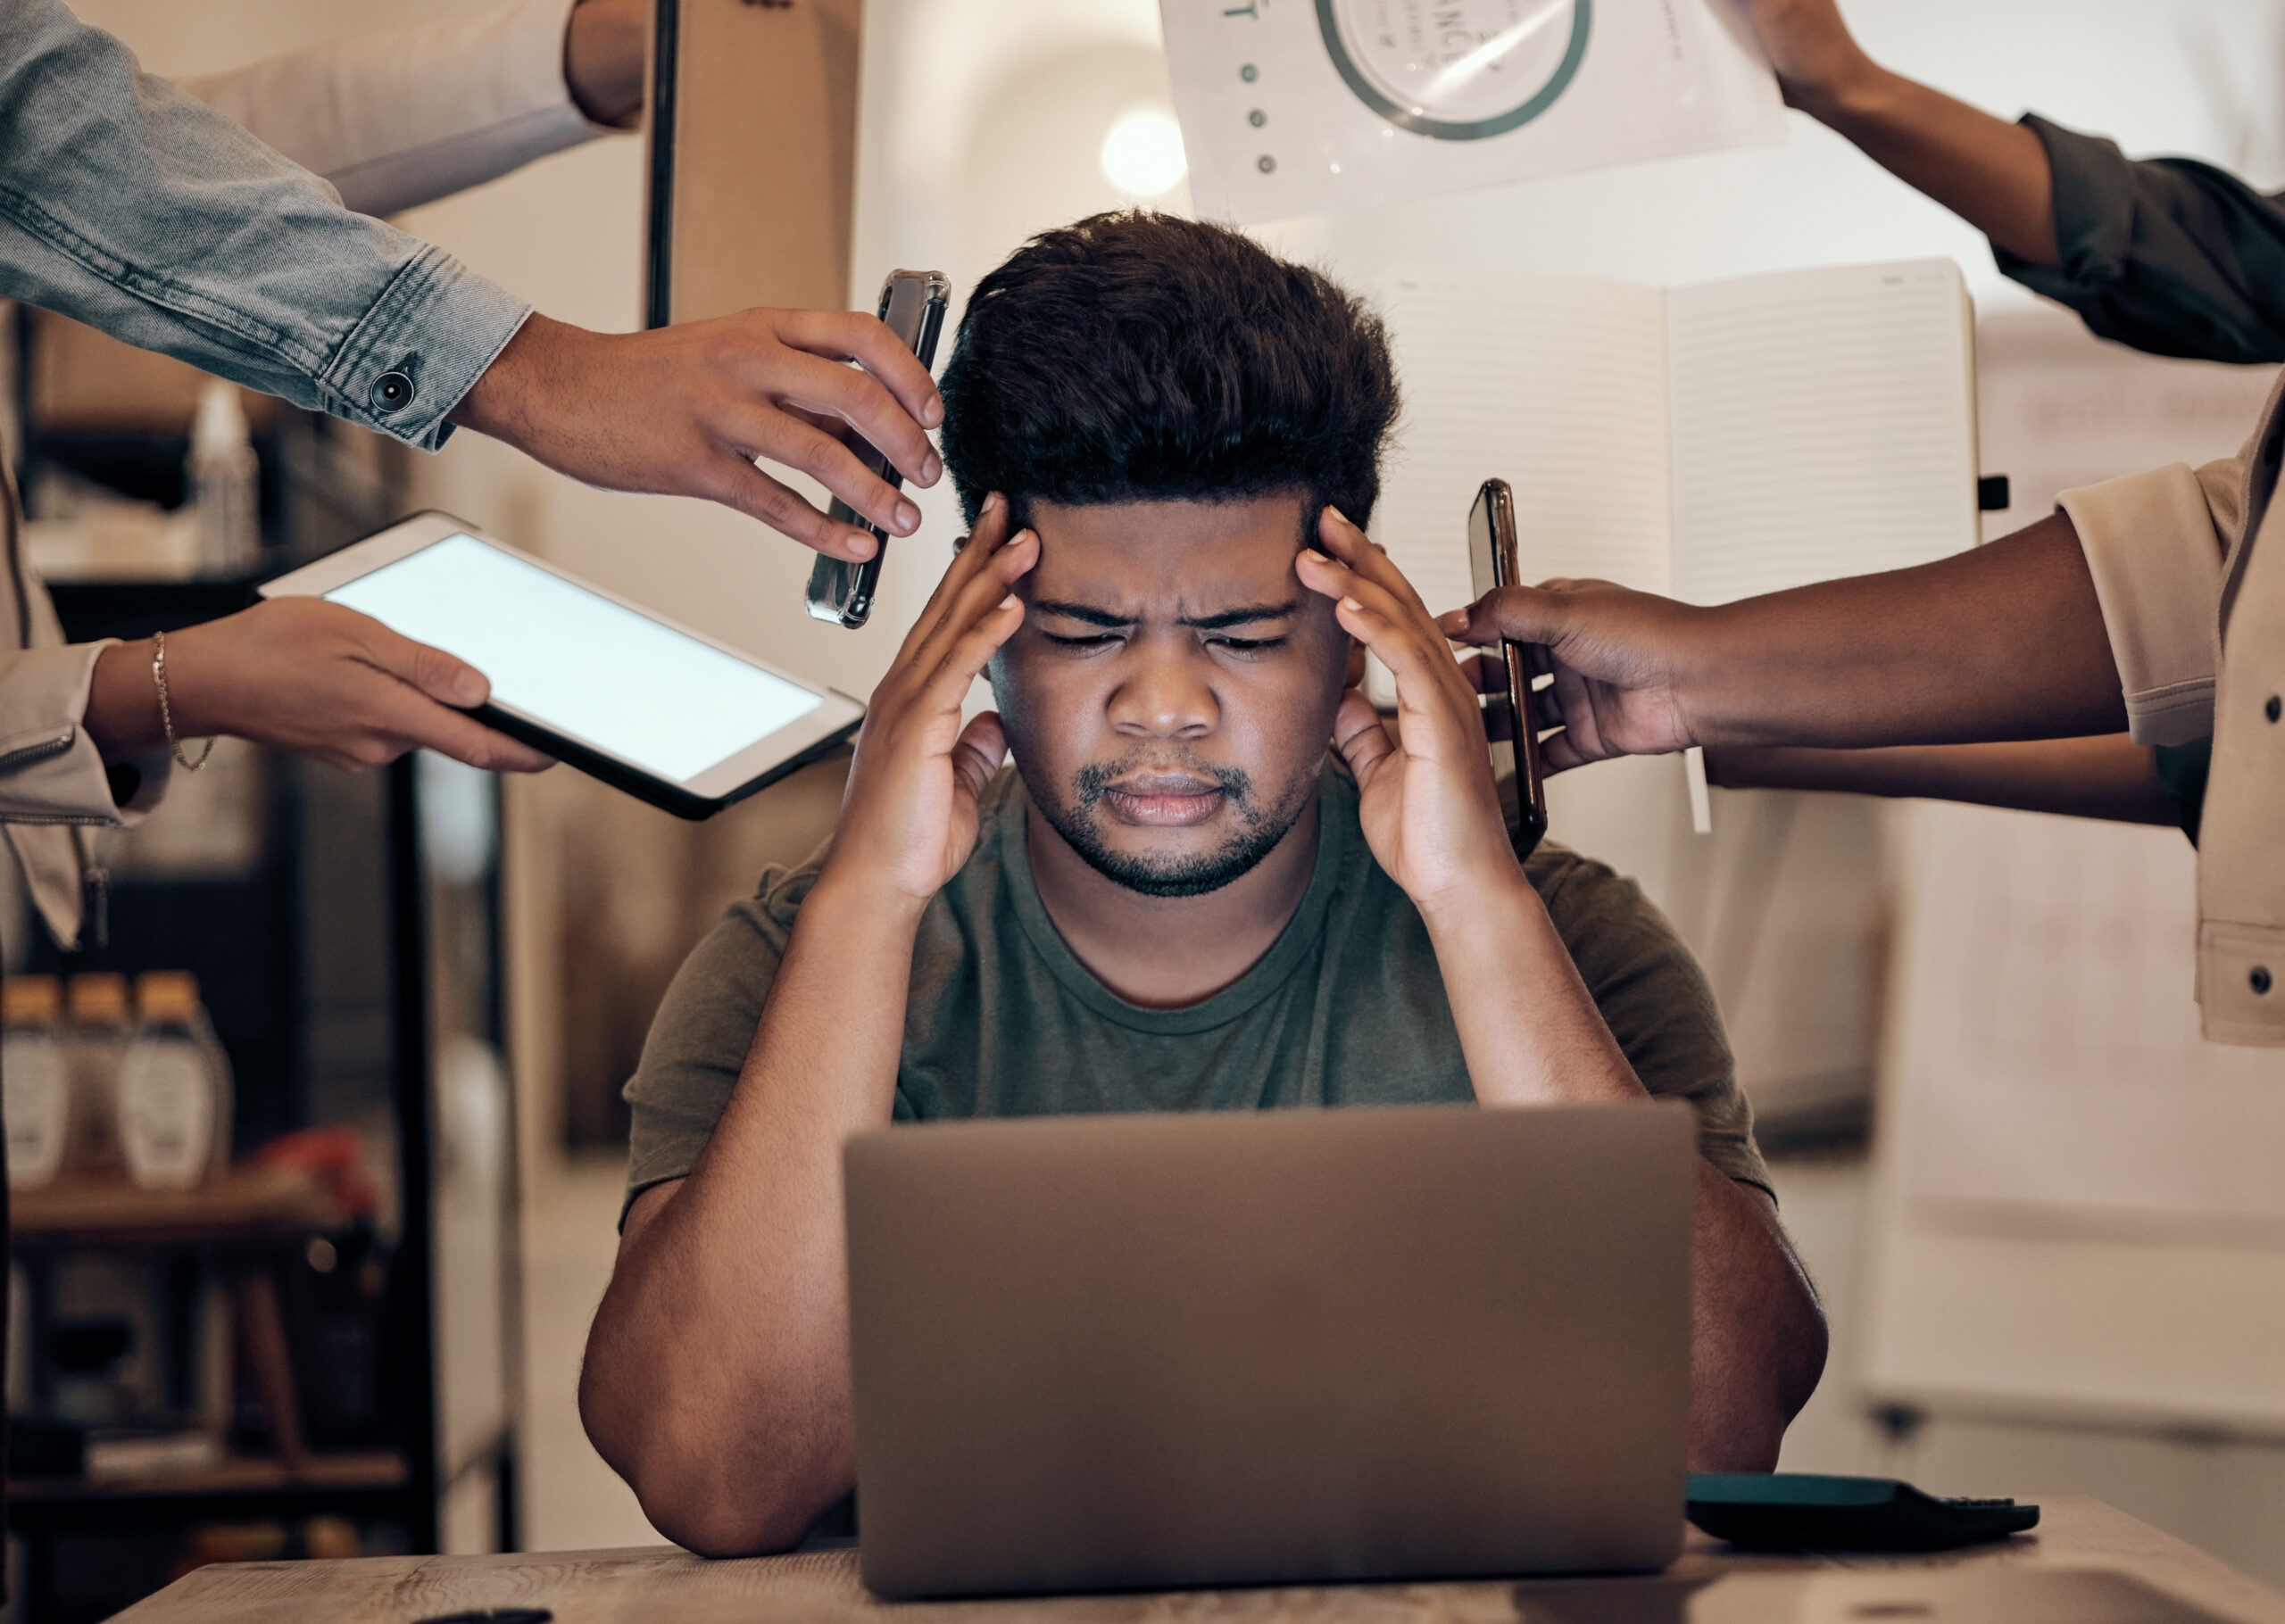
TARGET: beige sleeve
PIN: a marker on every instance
(398, 119)
(2155, 544)
(53, 788)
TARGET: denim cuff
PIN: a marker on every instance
(435, 330)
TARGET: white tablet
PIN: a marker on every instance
(655, 708)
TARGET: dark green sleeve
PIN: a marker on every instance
(1654, 997)
(2166, 254)
(698, 1040)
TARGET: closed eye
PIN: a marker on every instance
(1092, 640)
(1244, 645)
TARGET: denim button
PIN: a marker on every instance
(392, 392)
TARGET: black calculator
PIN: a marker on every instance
(1792, 1510)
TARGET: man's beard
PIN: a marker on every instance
(1259, 830)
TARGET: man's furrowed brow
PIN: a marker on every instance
(1219, 621)
(1227, 618)
(1085, 612)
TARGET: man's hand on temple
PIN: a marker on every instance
(1530, 1029)
(908, 818)
(1425, 797)
(686, 410)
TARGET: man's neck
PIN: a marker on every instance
(1170, 952)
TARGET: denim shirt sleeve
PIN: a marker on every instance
(140, 210)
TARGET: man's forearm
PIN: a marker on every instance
(2004, 641)
(1532, 1035)
(716, 1374)
(1756, 1334)
(1529, 1029)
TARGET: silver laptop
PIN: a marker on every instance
(1159, 1351)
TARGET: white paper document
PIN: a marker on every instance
(1709, 442)
(1293, 107)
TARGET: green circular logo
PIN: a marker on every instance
(1456, 70)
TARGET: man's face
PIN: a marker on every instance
(1170, 693)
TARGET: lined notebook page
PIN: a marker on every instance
(1556, 384)
(1823, 425)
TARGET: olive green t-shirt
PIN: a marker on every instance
(1346, 1008)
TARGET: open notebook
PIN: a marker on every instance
(1709, 443)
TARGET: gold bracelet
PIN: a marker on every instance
(166, 713)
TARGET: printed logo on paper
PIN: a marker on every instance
(1456, 70)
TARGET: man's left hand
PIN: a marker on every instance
(1426, 796)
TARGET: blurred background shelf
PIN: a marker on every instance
(337, 1333)
(244, 1205)
(347, 1472)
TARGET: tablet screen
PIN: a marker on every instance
(577, 662)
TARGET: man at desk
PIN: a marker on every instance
(1176, 901)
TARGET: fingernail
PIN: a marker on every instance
(1351, 603)
(932, 411)
(907, 518)
(1314, 556)
(931, 466)
(993, 502)
(1011, 602)
(862, 547)
(468, 689)
(1337, 513)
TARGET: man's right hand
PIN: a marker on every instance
(686, 410)
(910, 816)
(1613, 654)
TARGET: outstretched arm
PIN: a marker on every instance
(1993, 174)
(2005, 642)
(2107, 777)
(717, 1376)
(1529, 1027)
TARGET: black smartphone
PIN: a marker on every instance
(912, 304)
(1506, 709)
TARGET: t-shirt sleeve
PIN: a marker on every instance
(1656, 1000)
(698, 1040)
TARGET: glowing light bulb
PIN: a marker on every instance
(1142, 153)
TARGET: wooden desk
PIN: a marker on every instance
(671, 1587)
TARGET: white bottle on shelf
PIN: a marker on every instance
(35, 1080)
(174, 1087)
(95, 1037)
(224, 493)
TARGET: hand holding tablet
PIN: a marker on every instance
(300, 676)
(650, 707)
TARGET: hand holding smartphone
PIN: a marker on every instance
(912, 305)
(1506, 708)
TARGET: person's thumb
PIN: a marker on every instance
(977, 753)
(444, 677)
(1520, 614)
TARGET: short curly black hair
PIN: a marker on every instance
(1136, 356)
